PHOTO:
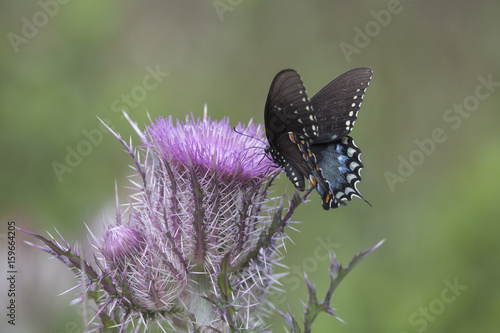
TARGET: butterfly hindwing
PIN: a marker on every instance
(287, 155)
(340, 165)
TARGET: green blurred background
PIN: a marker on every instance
(63, 64)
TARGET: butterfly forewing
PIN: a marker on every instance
(336, 106)
(288, 108)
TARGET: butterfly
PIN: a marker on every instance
(308, 138)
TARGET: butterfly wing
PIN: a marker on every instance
(340, 165)
(336, 106)
(301, 162)
(288, 108)
(294, 165)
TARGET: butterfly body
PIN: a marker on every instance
(308, 138)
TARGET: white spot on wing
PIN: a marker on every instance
(349, 190)
(350, 177)
(353, 165)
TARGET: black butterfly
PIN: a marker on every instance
(308, 138)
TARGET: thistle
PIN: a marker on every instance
(195, 248)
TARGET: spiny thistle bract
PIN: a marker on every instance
(195, 248)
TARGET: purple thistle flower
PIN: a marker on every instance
(196, 248)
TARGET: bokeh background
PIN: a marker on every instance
(62, 63)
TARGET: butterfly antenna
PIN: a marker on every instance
(264, 155)
(249, 136)
(234, 129)
(255, 147)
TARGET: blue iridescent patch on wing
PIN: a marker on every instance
(340, 166)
